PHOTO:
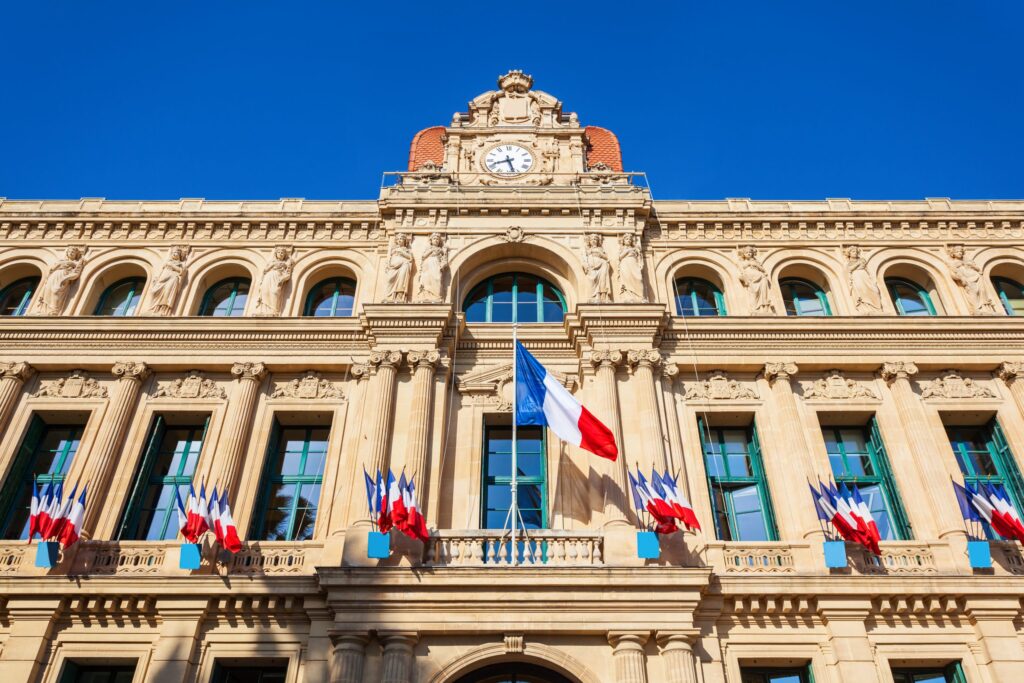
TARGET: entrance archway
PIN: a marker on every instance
(513, 672)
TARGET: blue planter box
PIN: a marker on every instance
(980, 554)
(378, 546)
(647, 546)
(191, 556)
(835, 554)
(47, 553)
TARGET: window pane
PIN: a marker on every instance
(553, 311)
(1011, 294)
(526, 299)
(49, 459)
(226, 299)
(875, 500)
(505, 303)
(476, 312)
(909, 299)
(750, 525)
(696, 298)
(121, 298)
(15, 299)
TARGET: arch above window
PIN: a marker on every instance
(1011, 295)
(513, 672)
(226, 299)
(909, 298)
(16, 297)
(331, 298)
(804, 298)
(514, 298)
(698, 297)
(121, 298)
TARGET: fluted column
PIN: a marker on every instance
(423, 365)
(607, 404)
(669, 371)
(348, 657)
(628, 655)
(790, 436)
(379, 429)
(1011, 372)
(398, 656)
(243, 406)
(116, 418)
(12, 381)
(644, 362)
(677, 650)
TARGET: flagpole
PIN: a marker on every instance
(514, 511)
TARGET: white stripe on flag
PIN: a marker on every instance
(562, 411)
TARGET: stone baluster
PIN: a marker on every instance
(398, 656)
(644, 362)
(243, 406)
(12, 380)
(348, 657)
(116, 418)
(628, 655)
(607, 404)
(385, 367)
(677, 649)
(423, 365)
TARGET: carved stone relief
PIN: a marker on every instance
(432, 269)
(76, 385)
(194, 385)
(514, 235)
(598, 269)
(311, 386)
(493, 387)
(631, 270)
(966, 273)
(951, 384)
(834, 385)
(755, 279)
(53, 290)
(718, 387)
(163, 293)
(276, 274)
(398, 270)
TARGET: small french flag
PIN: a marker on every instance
(542, 400)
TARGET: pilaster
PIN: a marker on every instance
(848, 637)
(176, 651)
(628, 655)
(398, 655)
(33, 621)
(13, 376)
(645, 362)
(1000, 647)
(348, 656)
(423, 365)
(677, 650)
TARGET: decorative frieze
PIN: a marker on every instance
(718, 387)
(76, 385)
(194, 385)
(951, 384)
(312, 385)
(833, 385)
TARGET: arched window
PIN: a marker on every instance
(514, 297)
(121, 298)
(16, 297)
(226, 299)
(333, 298)
(513, 672)
(804, 298)
(909, 297)
(1011, 293)
(697, 297)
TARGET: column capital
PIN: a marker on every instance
(684, 639)
(398, 639)
(425, 359)
(669, 371)
(645, 357)
(255, 371)
(628, 640)
(349, 640)
(130, 369)
(391, 359)
(18, 370)
(1007, 371)
(605, 358)
(777, 370)
(897, 369)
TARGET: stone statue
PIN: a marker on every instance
(967, 274)
(54, 292)
(163, 294)
(598, 270)
(866, 296)
(430, 275)
(631, 270)
(754, 277)
(398, 270)
(276, 274)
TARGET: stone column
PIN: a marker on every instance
(116, 418)
(243, 406)
(669, 371)
(32, 624)
(1010, 372)
(628, 655)
(175, 651)
(423, 364)
(795, 467)
(644, 363)
(607, 404)
(677, 649)
(379, 427)
(398, 656)
(1000, 647)
(12, 380)
(348, 657)
(849, 637)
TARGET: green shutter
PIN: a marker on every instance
(130, 522)
(17, 477)
(762, 484)
(955, 673)
(260, 511)
(892, 494)
(1007, 463)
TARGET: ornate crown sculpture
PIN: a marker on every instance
(515, 81)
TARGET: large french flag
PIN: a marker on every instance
(541, 400)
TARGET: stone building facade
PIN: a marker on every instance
(275, 349)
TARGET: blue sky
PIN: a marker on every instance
(260, 100)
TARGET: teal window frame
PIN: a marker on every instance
(16, 493)
(680, 283)
(771, 674)
(488, 287)
(997, 448)
(728, 483)
(148, 477)
(87, 672)
(788, 287)
(26, 298)
(309, 310)
(951, 673)
(892, 282)
(999, 283)
(128, 306)
(207, 310)
(881, 476)
(540, 480)
(277, 451)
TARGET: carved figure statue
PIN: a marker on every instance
(54, 292)
(398, 270)
(631, 270)
(430, 275)
(967, 274)
(598, 270)
(276, 274)
(754, 277)
(867, 298)
(163, 294)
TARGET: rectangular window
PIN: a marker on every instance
(739, 490)
(45, 455)
(246, 673)
(290, 487)
(984, 456)
(951, 673)
(497, 471)
(857, 457)
(757, 674)
(168, 464)
(85, 672)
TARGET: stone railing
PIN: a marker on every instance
(14, 556)
(104, 558)
(276, 557)
(546, 547)
(1007, 558)
(758, 558)
(899, 557)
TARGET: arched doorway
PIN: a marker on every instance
(513, 672)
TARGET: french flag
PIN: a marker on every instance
(985, 502)
(541, 400)
(848, 513)
(33, 516)
(43, 513)
(72, 528)
(674, 497)
(49, 516)
(198, 513)
(59, 520)
(396, 501)
(645, 499)
(229, 530)
(214, 517)
(183, 519)
(415, 523)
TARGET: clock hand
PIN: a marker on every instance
(508, 160)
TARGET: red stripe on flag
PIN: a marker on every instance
(597, 438)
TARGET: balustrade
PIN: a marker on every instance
(491, 547)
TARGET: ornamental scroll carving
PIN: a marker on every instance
(17, 370)
(514, 235)
(834, 385)
(718, 387)
(951, 384)
(194, 385)
(312, 385)
(76, 385)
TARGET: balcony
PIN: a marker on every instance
(487, 547)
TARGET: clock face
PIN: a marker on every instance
(508, 160)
